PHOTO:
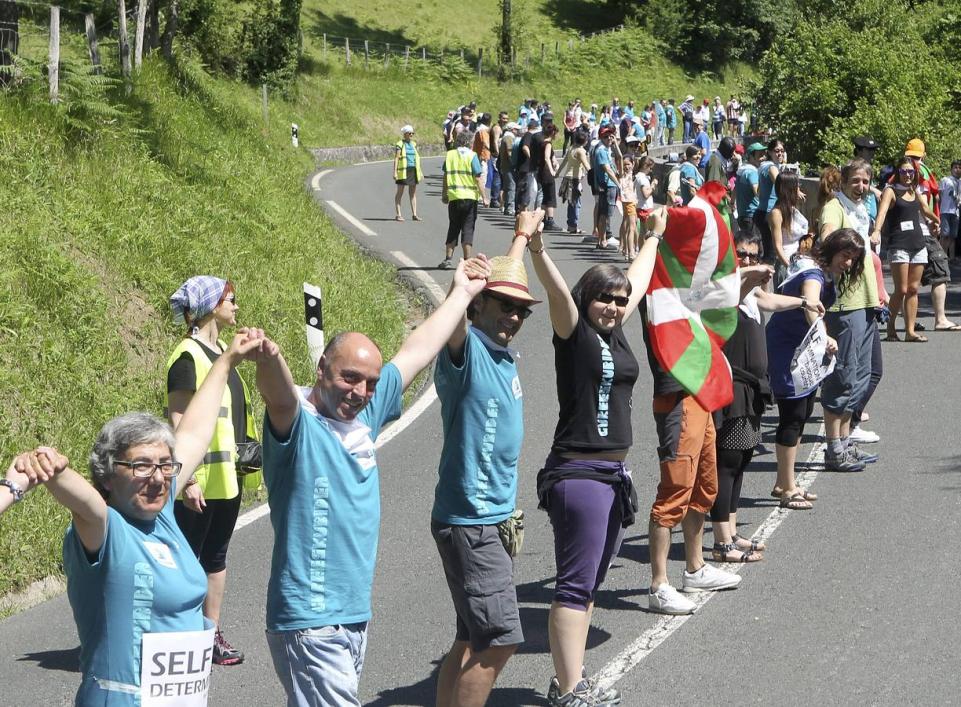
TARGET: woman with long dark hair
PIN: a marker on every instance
(834, 265)
(899, 217)
(786, 222)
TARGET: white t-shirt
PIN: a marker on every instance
(640, 183)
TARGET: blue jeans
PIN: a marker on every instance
(495, 181)
(320, 666)
(845, 389)
(574, 209)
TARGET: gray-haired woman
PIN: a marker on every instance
(130, 572)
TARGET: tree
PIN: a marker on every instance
(506, 40)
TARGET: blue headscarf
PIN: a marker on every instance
(196, 298)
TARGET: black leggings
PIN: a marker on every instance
(793, 413)
(877, 370)
(731, 464)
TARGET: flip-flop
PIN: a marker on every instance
(892, 337)
(916, 339)
(776, 492)
(796, 502)
(953, 327)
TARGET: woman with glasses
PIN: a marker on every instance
(739, 424)
(899, 217)
(210, 501)
(407, 171)
(130, 571)
(584, 485)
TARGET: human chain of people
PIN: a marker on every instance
(744, 303)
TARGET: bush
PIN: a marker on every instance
(847, 74)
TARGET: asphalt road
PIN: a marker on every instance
(856, 601)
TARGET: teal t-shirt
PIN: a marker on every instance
(689, 173)
(145, 579)
(744, 195)
(765, 187)
(324, 496)
(411, 154)
(483, 415)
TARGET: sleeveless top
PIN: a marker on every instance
(903, 222)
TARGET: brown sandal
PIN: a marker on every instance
(796, 502)
(778, 492)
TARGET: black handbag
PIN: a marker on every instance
(250, 458)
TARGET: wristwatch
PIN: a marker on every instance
(14, 489)
(654, 234)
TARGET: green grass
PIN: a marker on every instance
(99, 229)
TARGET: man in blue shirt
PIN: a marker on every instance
(605, 177)
(746, 187)
(482, 413)
(323, 488)
(661, 116)
(703, 141)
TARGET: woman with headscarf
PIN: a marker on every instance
(210, 503)
(407, 171)
(130, 573)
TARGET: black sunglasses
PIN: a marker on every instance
(511, 307)
(744, 255)
(608, 297)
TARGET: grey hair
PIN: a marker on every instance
(120, 434)
(464, 139)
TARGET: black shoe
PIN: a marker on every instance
(551, 225)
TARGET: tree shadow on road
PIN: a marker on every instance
(64, 659)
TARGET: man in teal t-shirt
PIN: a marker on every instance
(483, 416)
(323, 488)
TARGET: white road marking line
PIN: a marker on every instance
(420, 405)
(435, 290)
(315, 181)
(662, 629)
(355, 222)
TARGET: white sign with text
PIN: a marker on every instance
(811, 364)
(175, 669)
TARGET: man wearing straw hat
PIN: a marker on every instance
(473, 520)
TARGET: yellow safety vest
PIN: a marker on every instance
(217, 475)
(461, 182)
(400, 173)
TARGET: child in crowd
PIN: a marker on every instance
(629, 202)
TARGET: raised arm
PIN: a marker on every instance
(561, 305)
(425, 341)
(639, 274)
(72, 491)
(475, 268)
(277, 388)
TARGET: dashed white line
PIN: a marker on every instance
(662, 629)
(315, 181)
(353, 220)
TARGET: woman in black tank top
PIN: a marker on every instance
(899, 218)
(584, 484)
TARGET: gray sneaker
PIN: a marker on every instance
(842, 462)
(859, 455)
(603, 696)
(445, 264)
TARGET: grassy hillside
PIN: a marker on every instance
(100, 226)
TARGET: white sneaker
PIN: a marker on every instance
(709, 579)
(613, 244)
(666, 600)
(864, 436)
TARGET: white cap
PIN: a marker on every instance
(407, 129)
(689, 98)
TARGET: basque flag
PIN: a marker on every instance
(693, 296)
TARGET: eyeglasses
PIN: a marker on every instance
(608, 297)
(750, 257)
(511, 307)
(906, 172)
(144, 470)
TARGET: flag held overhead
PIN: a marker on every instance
(692, 301)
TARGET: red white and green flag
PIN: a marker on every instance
(692, 299)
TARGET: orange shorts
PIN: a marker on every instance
(630, 208)
(685, 433)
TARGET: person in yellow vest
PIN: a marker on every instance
(463, 188)
(407, 171)
(210, 502)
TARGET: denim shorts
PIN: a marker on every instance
(480, 575)
(607, 200)
(913, 257)
(320, 666)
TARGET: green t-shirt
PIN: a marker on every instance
(862, 294)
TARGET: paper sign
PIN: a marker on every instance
(811, 364)
(175, 668)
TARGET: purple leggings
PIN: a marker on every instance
(586, 521)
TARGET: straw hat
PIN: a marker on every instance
(509, 278)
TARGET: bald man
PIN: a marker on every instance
(322, 484)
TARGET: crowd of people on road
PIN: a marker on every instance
(145, 554)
